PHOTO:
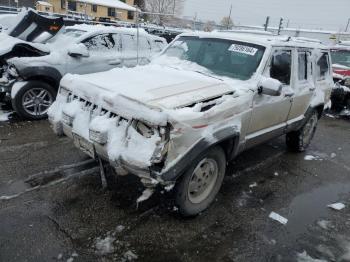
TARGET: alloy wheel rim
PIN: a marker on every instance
(36, 101)
(203, 180)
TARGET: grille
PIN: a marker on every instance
(94, 109)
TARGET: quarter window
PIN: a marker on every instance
(281, 66)
(323, 65)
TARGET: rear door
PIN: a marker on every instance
(304, 86)
(270, 113)
(129, 50)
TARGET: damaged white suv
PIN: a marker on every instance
(209, 96)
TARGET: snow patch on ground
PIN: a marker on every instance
(304, 257)
(4, 115)
(105, 245)
(311, 157)
(337, 206)
(324, 224)
(278, 218)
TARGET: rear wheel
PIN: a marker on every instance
(33, 100)
(299, 140)
(201, 182)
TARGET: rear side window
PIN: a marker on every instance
(281, 64)
(302, 66)
(323, 66)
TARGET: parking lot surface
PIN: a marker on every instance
(53, 208)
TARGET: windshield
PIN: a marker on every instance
(341, 57)
(221, 57)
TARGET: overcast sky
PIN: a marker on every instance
(326, 14)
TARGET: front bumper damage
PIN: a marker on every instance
(118, 149)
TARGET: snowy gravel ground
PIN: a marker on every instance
(75, 220)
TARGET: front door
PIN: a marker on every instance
(270, 113)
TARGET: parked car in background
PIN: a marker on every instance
(341, 75)
(30, 72)
(207, 98)
(7, 21)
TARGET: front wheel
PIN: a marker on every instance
(299, 140)
(33, 100)
(201, 182)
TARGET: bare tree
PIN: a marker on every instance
(209, 26)
(173, 7)
(227, 22)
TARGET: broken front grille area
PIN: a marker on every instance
(94, 109)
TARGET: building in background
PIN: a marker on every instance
(101, 10)
(43, 6)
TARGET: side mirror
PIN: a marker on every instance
(78, 50)
(270, 87)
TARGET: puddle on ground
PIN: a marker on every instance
(307, 208)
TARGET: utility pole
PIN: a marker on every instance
(194, 22)
(280, 26)
(347, 25)
(137, 34)
(229, 18)
(266, 25)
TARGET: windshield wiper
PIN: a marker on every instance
(202, 73)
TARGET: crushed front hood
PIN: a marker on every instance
(154, 85)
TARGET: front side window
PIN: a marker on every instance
(94, 8)
(221, 57)
(323, 66)
(281, 64)
(100, 43)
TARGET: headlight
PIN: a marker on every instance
(347, 82)
(66, 119)
(98, 137)
(12, 71)
(144, 129)
(63, 91)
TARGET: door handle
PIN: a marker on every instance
(115, 62)
(289, 94)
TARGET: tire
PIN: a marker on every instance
(38, 96)
(299, 140)
(191, 202)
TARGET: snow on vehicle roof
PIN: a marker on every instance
(260, 39)
(102, 28)
(44, 3)
(110, 3)
(99, 29)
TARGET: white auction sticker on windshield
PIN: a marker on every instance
(248, 50)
